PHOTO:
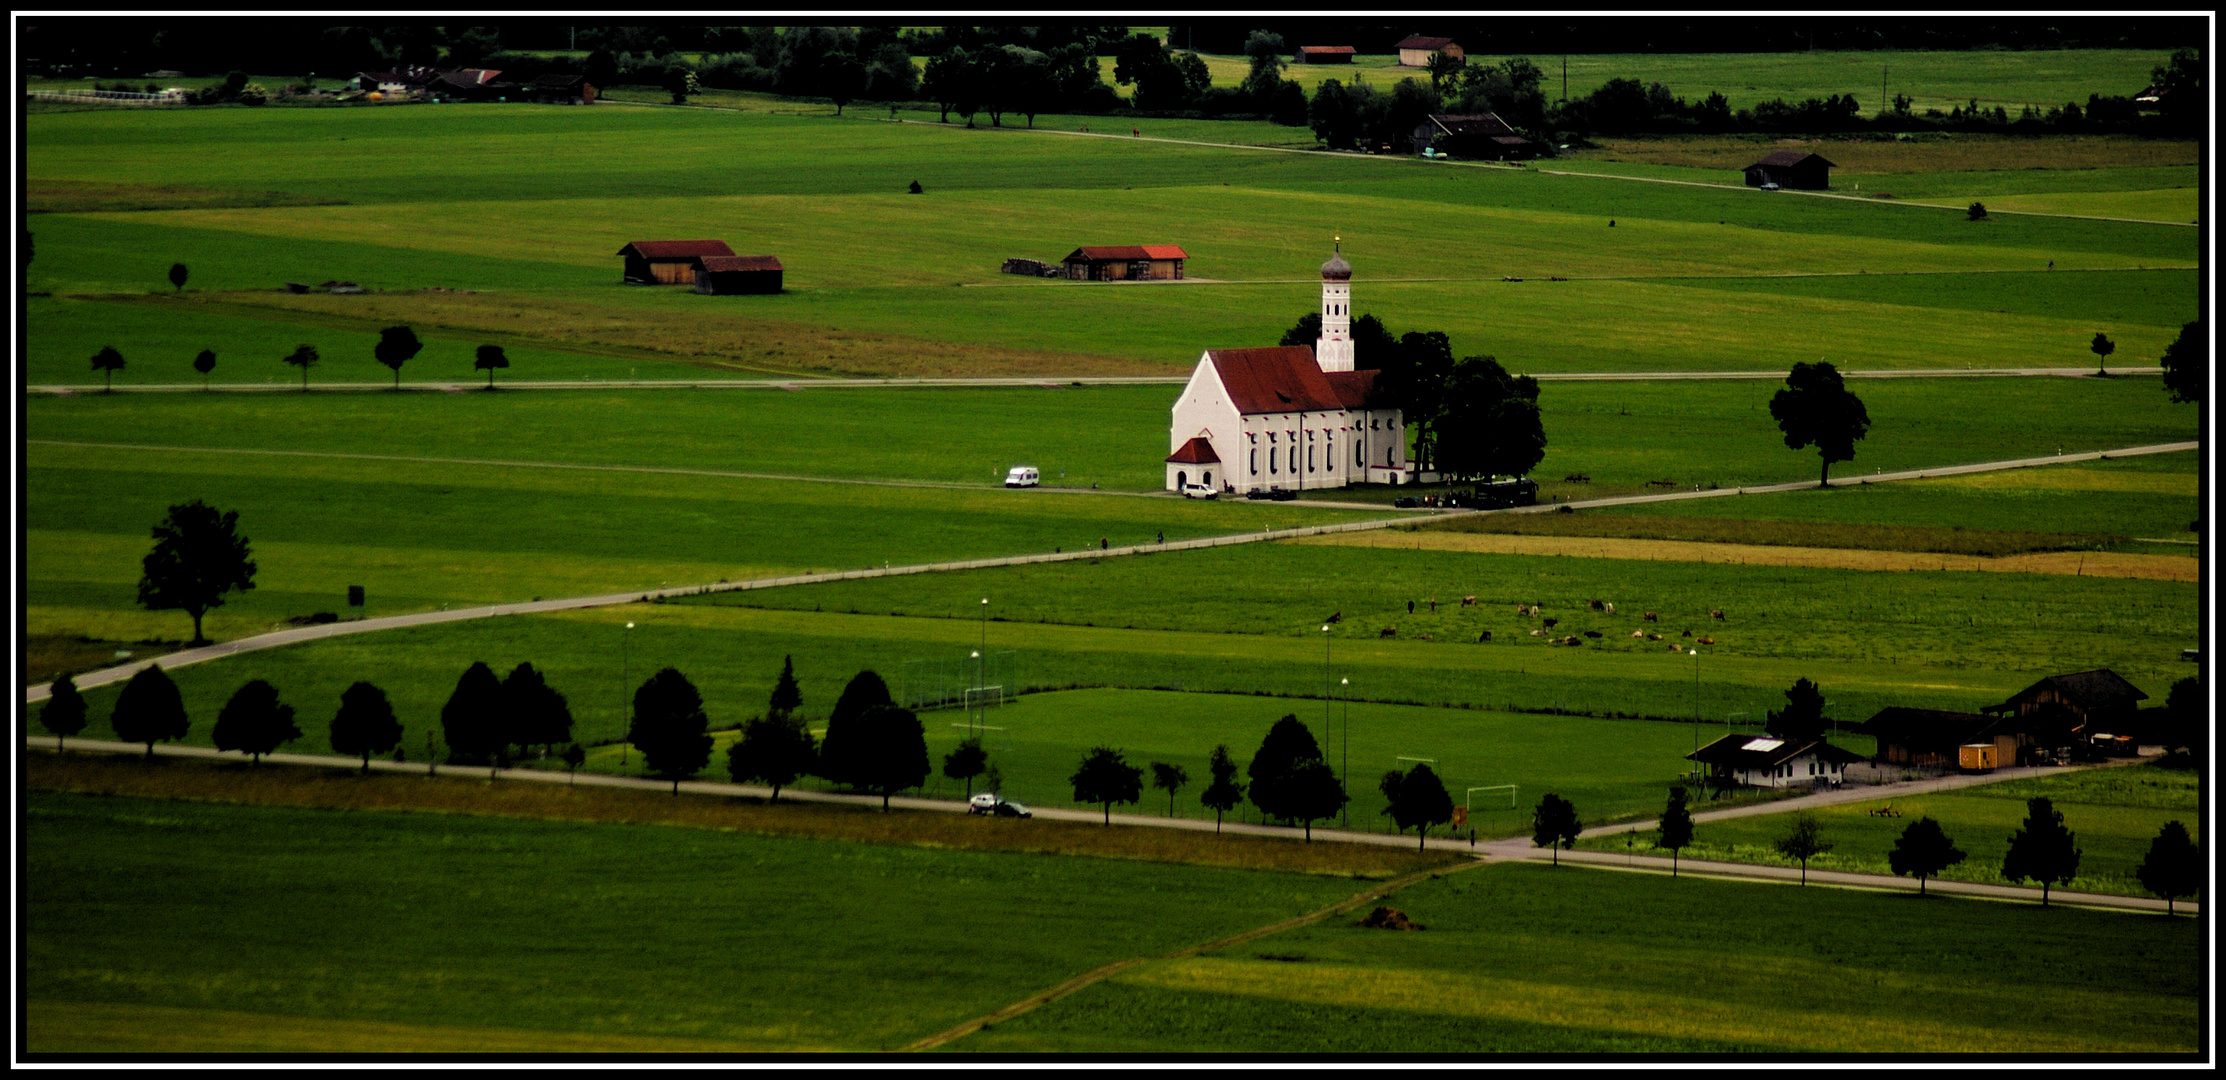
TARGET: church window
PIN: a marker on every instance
(1253, 436)
(1371, 423)
(1309, 459)
(1271, 462)
(1294, 460)
(1255, 461)
(1358, 460)
(1271, 436)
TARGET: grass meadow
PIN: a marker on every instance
(2114, 813)
(1526, 958)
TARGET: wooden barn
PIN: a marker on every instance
(1931, 738)
(668, 262)
(1128, 262)
(1476, 136)
(1416, 51)
(2099, 701)
(731, 275)
(1791, 169)
(561, 90)
(1324, 54)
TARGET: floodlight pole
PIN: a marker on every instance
(981, 657)
(625, 676)
(1345, 762)
(1696, 699)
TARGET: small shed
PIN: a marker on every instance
(1934, 738)
(1477, 136)
(1791, 169)
(561, 90)
(1765, 761)
(1324, 54)
(1417, 50)
(667, 262)
(730, 275)
(1130, 262)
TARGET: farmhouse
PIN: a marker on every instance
(1482, 136)
(727, 275)
(1933, 738)
(561, 90)
(1324, 54)
(397, 83)
(1131, 262)
(1791, 169)
(1766, 762)
(2098, 701)
(1416, 51)
(1287, 417)
(668, 262)
(470, 84)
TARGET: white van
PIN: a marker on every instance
(1023, 476)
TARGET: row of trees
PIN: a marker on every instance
(253, 721)
(397, 346)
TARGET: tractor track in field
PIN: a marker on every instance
(299, 635)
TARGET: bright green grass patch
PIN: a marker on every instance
(1526, 958)
(2109, 299)
(2179, 205)
(1719, 530)
(2114, 817)
(598, 930)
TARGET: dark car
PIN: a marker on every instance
(996, 806)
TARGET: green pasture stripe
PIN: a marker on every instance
(2113, 298)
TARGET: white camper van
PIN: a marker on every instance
(1023, 476)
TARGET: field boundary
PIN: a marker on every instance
(298, 635)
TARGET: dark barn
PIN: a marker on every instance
(1325, 54)
(730, 275)
(668, 262)
(1477, 136)
(1791, 169)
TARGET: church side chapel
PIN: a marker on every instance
(1287, 417)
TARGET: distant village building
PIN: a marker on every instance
(395, 83)
(561, 90)
(1477, 136)
(1132, 262)
(471, 84)
(1765, 761)
(1287, 417)
(1416, 51)
(729, 275)
(1791, 169)
(668, 262)
(1324, 54)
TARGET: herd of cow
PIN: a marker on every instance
(1547, 623)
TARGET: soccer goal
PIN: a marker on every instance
(1404, 758)
(1470, 800)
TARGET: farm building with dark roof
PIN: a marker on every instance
(1126, 262)
(728, 275)
(1324, 54)
(667, 262)
(1932, 738)
(560, 89)
(2099, 700)
(1416, 51)
(1481, 136)
(1791, 169)
(1768, 762)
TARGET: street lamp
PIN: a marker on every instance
(1345, 755)
(981, 655)
(625, 676)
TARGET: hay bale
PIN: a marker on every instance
(1386, 918)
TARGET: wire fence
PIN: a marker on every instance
(108, 97)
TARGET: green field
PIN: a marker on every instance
(1534, 959)
(2115, 813)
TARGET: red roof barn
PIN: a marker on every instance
(1126, 262)
(668, 262)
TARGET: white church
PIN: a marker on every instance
(1287, 417)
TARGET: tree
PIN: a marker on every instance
(786, 697)
(575, 756)
(1554, 825)
(150, 710)
(397, 344)
(254, 722)
(842, 79)
(1313, 792)
(178, 276)
(1417, 799)
(198, 556)
(774, 749)
(365, 723)
(679, 82)
(1804, 841)
(1224, 793)
(889, 752)
(487, 359)
(1802, 719)
(2102, 347)
(1333, 116)
(966, 762)
(1287, 744)
(1816, 409)
(2183, 364)
(205, 363)
(839, 749)
(1489, 423)
(1442, 69)
(2173, 868)
(1103, 777)
(535, 712)
(1676, 827)
(1170, 779)
(1976, 212)
(2181, 728)
(1922, 852)
(303, 357)
(472, 719)
(108, 362)
(2042, 849)
(670, 728)
(946, 81)
(64, 714)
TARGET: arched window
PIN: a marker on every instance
(1255, 461)
(1294, 461)
(1309, 459)
(1271, 463)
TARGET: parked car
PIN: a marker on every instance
(996, 806)
(1023, 476)
(1282, 494)
(1769, 186)
(1200, 491)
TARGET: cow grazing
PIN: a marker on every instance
(1538, 633)
(1522, 609)
(1638, 633)
(1717, 615)
(1596, 605)
(1651, 617)
(1484, 637)
(1549, 623)
(1427, 637)
(1688, 633)
(1707, 641)
(1609, 608)
(1468, 601)
(1572, 640)
(1335, 617)
(1433, 607)
(1388, 631)
(1592, 633)
(1655, 637)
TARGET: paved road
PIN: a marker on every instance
(1516, 849)
(298, 635)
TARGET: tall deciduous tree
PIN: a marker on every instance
(365, 723)
(966, 762)
(537, 714)
(1416, 799)
(472, 719)
(838, 749)
(397, 344)
(178, 276)
(1105, 777)
(775, 750)
(890, 752)
(2183, 362)
(1676, 827)
(2173, 868)
(670, 728)
(1802, 719)
(1816, 409)
(199, 555)
(150, 710)
(108, 362)
(1554, 825)
(1287, 744)
(1489, 424)
(2102, 347)
(487, 358)
(1803, 841)
(1314, 793)
(1170, 779)
(1223, 793)
(303, 357)
(1922, 852)
(2042, 849)
(64, 712)
(2183, 723)
(205, 363)
(575, 756)
(254, 721)
(787, 698)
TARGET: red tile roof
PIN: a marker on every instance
(1122, 252)
(715, 264)
(1420, 42)
(1353, 388)
(676, 249)
(1277, 379)
(1326, 50)
(1195, 452)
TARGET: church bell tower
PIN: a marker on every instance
(1334, 350)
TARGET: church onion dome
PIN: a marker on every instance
(1337, 269)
